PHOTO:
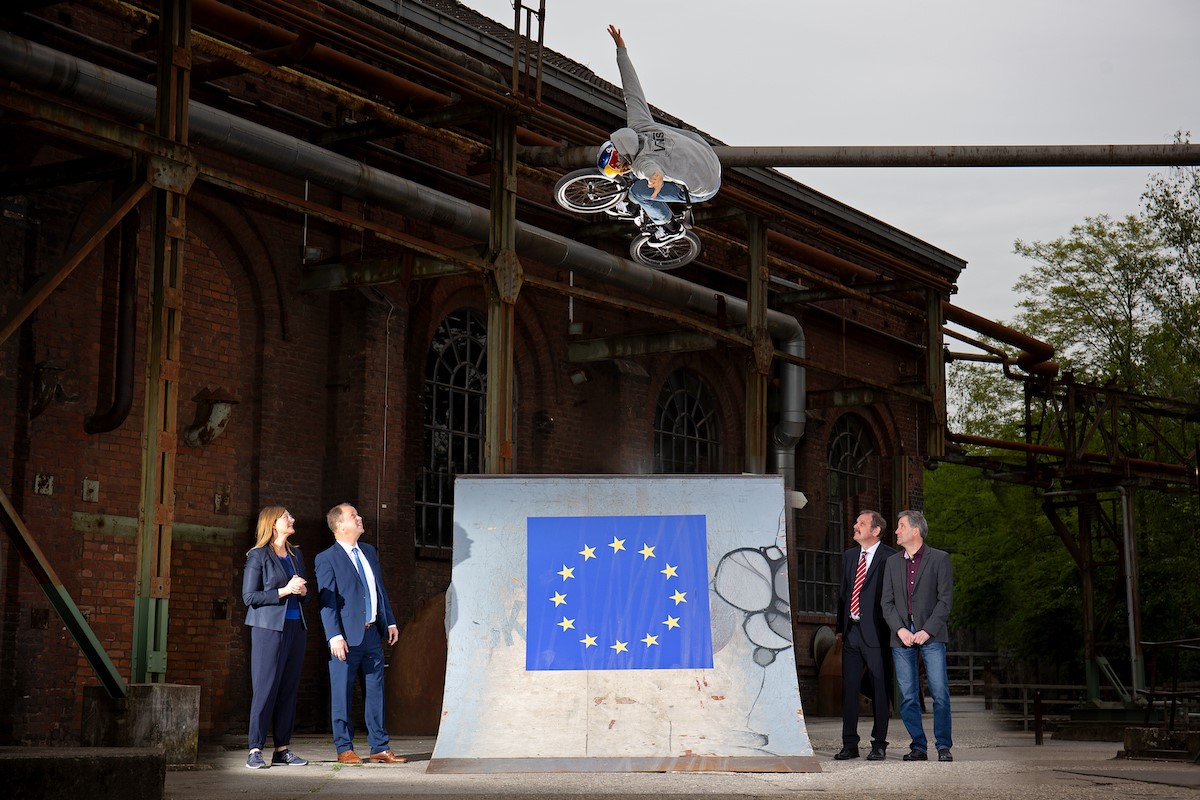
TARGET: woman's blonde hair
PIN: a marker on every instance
(266, 527)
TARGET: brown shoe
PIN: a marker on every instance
(348, 757)
(388, 757)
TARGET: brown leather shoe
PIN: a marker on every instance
(388, 757)
(348, 757)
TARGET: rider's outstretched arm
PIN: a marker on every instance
(637, 110)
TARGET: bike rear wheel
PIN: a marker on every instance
(588, 192)
(673, 254)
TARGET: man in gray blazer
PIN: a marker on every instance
(918, 589)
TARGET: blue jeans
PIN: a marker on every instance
(657, 210)
(908, 678)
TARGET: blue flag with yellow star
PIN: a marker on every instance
(617, 593)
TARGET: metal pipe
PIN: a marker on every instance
(123, 372)
(1036, 354)
(1136, 679)
(37, 66)
(1079, 155)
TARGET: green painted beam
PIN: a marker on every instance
(70, 614)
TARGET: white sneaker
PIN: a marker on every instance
(665, 234)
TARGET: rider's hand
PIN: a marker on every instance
(615, 32)
(655, 182)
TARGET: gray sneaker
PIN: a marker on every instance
(255, 760)
(288, 758)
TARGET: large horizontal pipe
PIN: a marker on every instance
(1079, 155)
(1035, 354)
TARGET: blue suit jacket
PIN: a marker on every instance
(262, 579)
(343, 607)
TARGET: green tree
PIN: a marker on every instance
(1092, 296)
(1120, 301)
(1171, 207)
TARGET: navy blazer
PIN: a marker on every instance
(262, 579)
(869, 614)
(933, 595)
(343, 610)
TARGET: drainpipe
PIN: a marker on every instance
(122, 386)
(37, 66)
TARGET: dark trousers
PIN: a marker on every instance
(367, 659)
(856, 655)
(275, 661)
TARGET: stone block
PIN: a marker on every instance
(165, 715)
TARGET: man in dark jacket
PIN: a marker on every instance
(863, 633)
(918, 590)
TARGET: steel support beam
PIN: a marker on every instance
(504, 286)
(1082, 155)
(73, 619)
(935, 376)
(156, 509)
(582, 352)
(92, 237)
(759, 367)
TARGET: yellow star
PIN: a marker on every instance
(620, 647)
(647, 552)
(670, 572)
(588, 641)
(566, 623)
(679, 597)
(617, 544)
(649, 640)
(559, 599)
(587, 552)
(671, 622)
(567, 572)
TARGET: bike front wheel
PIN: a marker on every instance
(673, 254)
(588, 192)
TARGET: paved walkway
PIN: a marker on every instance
(989, 762)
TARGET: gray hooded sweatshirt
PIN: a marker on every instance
(682, 157)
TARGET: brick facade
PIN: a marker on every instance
(329, 389)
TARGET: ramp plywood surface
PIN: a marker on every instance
(511, 705)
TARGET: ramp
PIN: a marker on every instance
(613, 623)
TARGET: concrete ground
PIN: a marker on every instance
(989, 762)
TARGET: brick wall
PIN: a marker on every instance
(329, 388)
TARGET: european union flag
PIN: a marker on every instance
(617, 593)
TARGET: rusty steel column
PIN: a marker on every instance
(759, 367)
(503, 288)
(935, 376)
(156, 510)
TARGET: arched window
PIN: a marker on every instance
(853, 485)
(455, 405)
(686, 438)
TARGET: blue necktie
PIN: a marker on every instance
(362, 576)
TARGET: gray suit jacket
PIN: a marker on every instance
(932, 596)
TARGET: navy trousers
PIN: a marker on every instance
(367, 659)
(275, 661)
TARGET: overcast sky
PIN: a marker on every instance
(911, 72)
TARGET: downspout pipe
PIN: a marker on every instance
(123, 372)
(40, 67)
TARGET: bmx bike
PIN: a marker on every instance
(587, 191)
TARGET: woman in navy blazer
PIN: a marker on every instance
(273, 587)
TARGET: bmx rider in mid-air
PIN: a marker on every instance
(671, 165)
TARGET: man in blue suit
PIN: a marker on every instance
(354, 609)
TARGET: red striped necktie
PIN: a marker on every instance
(859, 577)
